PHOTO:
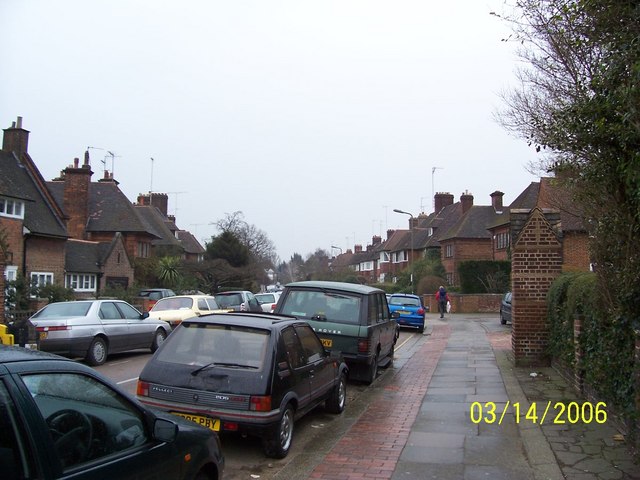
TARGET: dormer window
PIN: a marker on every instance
(11, 208)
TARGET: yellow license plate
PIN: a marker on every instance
(43, 335)
(326, 342)
(210, 423)
(404, 312)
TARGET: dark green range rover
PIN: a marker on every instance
(353, 319)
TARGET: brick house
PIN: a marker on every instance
(31, 220)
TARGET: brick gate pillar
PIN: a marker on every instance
(536, 261)
(3, 265)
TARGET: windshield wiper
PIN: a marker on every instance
(222, 364)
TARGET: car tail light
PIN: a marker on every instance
(260, 404)
(142, 389)
(363, 346)
(421, 311)
(230, 426)
(273, 307)
(53, 329)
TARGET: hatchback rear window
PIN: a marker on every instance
(226, 346)
(183, 303)
(229, 300)
(320, 305)
(409, 301)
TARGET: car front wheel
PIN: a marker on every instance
(278, 443)
(158, 339)
(97, 353)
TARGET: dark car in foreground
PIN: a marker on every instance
(93, 329)
(505, 309)
(62, 419)
(254, 374)
(408, 310)
(353, 319)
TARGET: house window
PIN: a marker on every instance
(366, 266)
(398, 257)
(502, 241)
(384, 257)
(450, 278)
(429, 231)
(448, 251)
(10, 273)
(81, 282)
(41, 279)
(11, 208)
(143, 249)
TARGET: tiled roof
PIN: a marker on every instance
(109, 208)
(189, 242)
(17, 182)
(156, 223)
(85, 257)
(553, 195)
(473, 223)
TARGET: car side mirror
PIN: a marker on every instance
(144, 315)
(165, 430)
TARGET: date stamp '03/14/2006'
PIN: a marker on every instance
(557, 413)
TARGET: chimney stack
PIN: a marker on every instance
(76, 197)
(16, 138)
(496, 201)
(357, 248)
(466, 199)
(441, 200)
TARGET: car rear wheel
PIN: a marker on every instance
(503, 320)
(278, 443)
(373, 370)
(158, 339)
(338, 398)
(97, 353)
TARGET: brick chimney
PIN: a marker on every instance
(389, 233)
(442, 199)
(76, 196)
(496, 201)
(466, 199)
(376, 240)
(16, 138)
(357, 248)
(158, 200)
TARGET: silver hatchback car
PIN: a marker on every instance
(93, 329)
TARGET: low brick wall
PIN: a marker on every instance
(468, 303)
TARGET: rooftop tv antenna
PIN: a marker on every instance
(433, 193)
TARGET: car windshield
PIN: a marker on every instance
(169, 303)
(405, 301)
(228, 300)
(70, 309)
(224, 346)
(322, 305)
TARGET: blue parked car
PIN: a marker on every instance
(408, 310)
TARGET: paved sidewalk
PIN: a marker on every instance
(420, 425)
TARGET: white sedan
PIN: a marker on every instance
(93, 329)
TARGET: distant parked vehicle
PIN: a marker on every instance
(238, 300)
(505, 309)
(152, 295)
(93, 329)
(408, 309)
(353, 319)
(176, 309)
(268, 300)
(254, 374)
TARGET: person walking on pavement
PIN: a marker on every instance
(442, 297)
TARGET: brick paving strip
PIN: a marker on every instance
(373, 445)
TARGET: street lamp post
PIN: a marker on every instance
(410, 246)
(337, 248)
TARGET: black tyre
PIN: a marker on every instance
(158, 339)
(503, 320)
(97, 353)
(421, 329)
(338, 398)
(373, 370)
(278, 443)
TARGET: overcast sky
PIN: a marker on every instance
(314, 118)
